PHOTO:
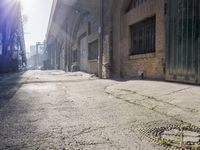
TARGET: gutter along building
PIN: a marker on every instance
(152, 39)
(12, 45)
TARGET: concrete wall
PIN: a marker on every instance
(151, 64)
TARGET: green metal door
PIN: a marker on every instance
(183, 41)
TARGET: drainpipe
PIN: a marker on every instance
(101, 28)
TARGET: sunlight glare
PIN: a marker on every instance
(26, 3)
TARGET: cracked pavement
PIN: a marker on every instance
(179, 101)
(72, 111)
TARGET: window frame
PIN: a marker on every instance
(143, 36)
(90, 55)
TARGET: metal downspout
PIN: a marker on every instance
(100, 60)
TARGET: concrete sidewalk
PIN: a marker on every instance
(180, 101)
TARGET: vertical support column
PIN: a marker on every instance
(100, 53)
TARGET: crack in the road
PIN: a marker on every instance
(141, 105)
(176, 91)
(87, 130)
(146, 97)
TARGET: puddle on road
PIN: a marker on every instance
(180, 136)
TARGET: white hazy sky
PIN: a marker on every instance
(38, 12)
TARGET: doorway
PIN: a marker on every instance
(83, 53)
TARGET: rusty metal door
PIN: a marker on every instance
(183, 41)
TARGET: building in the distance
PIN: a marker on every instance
(31, 60)
(12, 45)
(37, 55)
(32, 50)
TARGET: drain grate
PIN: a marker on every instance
(170, 135)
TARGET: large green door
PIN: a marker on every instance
(183, 41)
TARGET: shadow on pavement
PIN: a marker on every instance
(9, 86)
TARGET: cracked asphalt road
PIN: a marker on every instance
(58, 110)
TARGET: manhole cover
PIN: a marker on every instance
(174, 136)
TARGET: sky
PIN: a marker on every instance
(38, 13)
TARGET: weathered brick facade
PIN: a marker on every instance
(150, 64)
(116, 37)
(130, 37)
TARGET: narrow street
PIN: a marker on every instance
(100, 75)
(58, 110)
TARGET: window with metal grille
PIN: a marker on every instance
(135, 3)
(93, 50)
(143, 36)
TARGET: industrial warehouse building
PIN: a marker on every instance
(150, 39)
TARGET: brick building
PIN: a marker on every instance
(127, 38)
(12, 45)
(157, 39)
(139, 38)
